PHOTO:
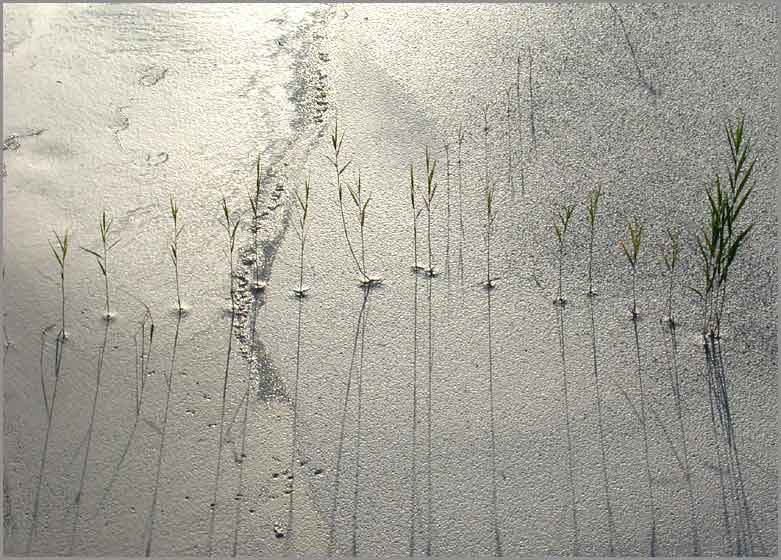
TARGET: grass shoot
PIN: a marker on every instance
(231, 226)
(632, 253)
(428, 200)
(560, 228)
(336, 142)
(102, 257)
(593, 207)
(415, 214)
(61, 254)
(254, 203)
(670, 258)
(174, 248)
(361, 207)
(303, 213)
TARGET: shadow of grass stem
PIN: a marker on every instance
(61, 254)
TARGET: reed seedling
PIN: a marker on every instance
(61, 254)
(560, 228)
(303, 213)
(415, 214)
(337, 140)
(102, 258)
(231, 226)
(720, 240)
(174, 248)
(254, 203)
(361, 207)
(670, 258)
(428, 200)
(632, 253)
(593, 206)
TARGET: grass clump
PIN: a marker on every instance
(592, 208)
(102, 257)
(60, 251)
(303, 213)
(560, 228)
(720, 240)
(632, 253)
(174, 248)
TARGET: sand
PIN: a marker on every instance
(403, 428)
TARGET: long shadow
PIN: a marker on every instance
(676, 388)
(337, 474)
(570, 455)
(494, 491)
(745, 538)
(414, 473)
(141, 365)
(717, 446)
(644, 423)
(640, 76)
(429, 498)
(294, 434)
(358, 465)
(49, 407)
(77, 500)
(744, 505)
(221, 439)
(150, 525)
(611, 527)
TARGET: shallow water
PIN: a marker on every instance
(160, 99)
